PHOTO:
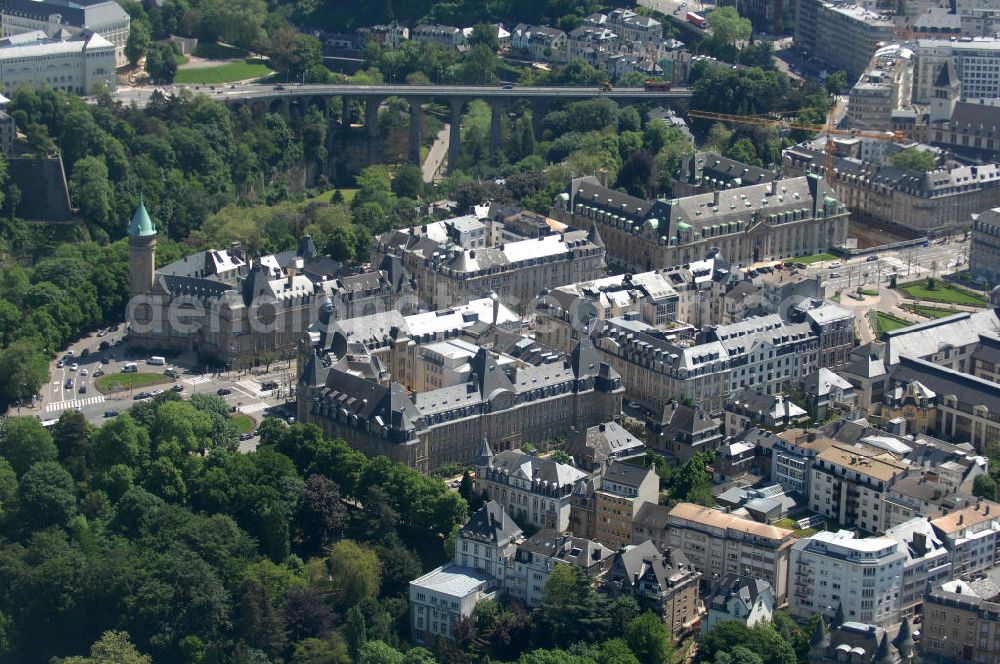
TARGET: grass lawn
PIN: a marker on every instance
(181, 59)
(790, 523)
(325, 197)
(929, 312)
(211, 51)
(815, 258)
(107, 382)
(943, 292)
(232, 71)
(244, 423)
(887, 322)
(869, 292)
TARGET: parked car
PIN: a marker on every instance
(246, 436)
(177, 387)
(223, 391)
(142, 395)
(835, 275)
(98, 373)
(105, 360)
(872, 258)
(269, 385)
(60, 364)
(111, 413)
(171, 373)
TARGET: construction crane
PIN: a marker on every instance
(828, 129)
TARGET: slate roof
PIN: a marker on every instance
(491, 524)
(745, 589)
(530, 468)
(969, 390)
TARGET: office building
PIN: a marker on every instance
(718, 544)
(840, 569)
(984, 250)
(459, 259)
(840, 35)
(70, 17)
(976, 60)
(775, 220)
(885, 86)
(79, 64)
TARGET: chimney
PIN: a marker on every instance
(602, 177)
(236, 249)
(961, 519)
(715, 198)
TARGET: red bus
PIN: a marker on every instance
(696, 19)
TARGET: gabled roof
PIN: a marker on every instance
(491, 524)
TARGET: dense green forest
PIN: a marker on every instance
(153, 537)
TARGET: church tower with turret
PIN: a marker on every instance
(141, 252)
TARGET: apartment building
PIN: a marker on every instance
(459, 259)
(446, 35)
(681, 431)
(619, 494)
(747, 224)
(961, 622)
(540, 43)
(487, 543)
(850, 485)
(972, 535)
(537, 556)
(718, 544)
(839, 569)
(662, 581)
(926, 561)
(841, 35)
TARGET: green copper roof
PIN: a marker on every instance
(142, 225)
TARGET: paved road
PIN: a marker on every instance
(437, 154)
(246, 395)
(254, 91)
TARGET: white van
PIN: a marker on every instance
(835, 264)
(130, 367)
(157, 360)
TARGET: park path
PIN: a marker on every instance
(437, 154)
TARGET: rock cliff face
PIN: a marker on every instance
(44, 192)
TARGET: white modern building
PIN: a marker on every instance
(927, 561)
(977, 61)
(831, 569)
(76, 65)
(443, 597)
(72, 17)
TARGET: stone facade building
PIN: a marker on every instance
(984, 250)
(664, 582)
(459, 259)
(933, 202)
(961, 622)
(353, 376)
(775, 220)
(603, 509)
(79, 64)
(232, 310)
(104, 17)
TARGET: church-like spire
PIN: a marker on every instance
(141, 224)
(485, 455)
(820, 636)
(838, 617)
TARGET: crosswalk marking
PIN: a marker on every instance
(73, 403)
(252, 408)
(251, 386)
(197, 380)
